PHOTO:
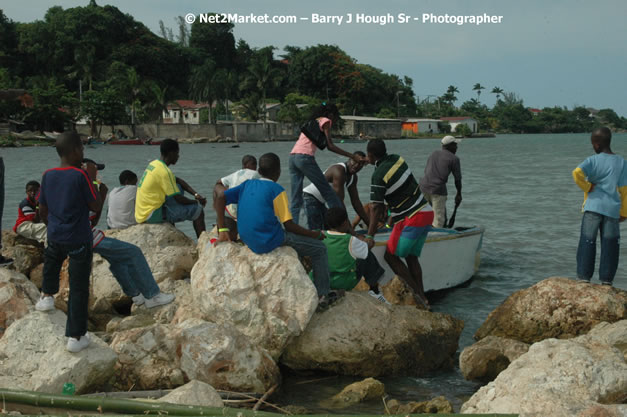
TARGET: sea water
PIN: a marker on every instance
(518, 186)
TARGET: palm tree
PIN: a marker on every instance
(133, 85)
(450, 96)
(261, 75)
(478, 87)
(498, 91)
(159, 100)
(204, 85)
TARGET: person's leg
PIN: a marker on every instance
(312, 171)
(438, 203)
(199, 223)
(296, 187)
(176, 212)
(54, 255)
(34, 231)
(306, 246)
(1, 196)
(610, 245)
(586, 251)
(315, 212)
(77, 307)
(119, 264)
(371, 270)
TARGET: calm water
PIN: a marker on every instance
(519, 187)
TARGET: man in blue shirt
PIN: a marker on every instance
(66, 196)
(603, 178)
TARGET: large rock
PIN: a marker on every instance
(487, 358)
(17, 297)
(167, 356)
(560, 378)
(357, 392)
(33, 357)
(361, 336)
(269, 298)
(395, 291)
(26, 253)
(194, 393)
(437, 405)
(556, 307)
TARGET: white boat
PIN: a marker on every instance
(449, 258)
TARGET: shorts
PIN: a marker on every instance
(409, 235)
(175, 212)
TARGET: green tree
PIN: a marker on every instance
(203, 84)
(214, 41)
(290, 111)
(478, 87)
(53, 106)
(261, 76)
(103, 108)
(498, 91)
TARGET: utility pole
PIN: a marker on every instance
(398, 106)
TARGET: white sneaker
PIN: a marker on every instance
(138, 300)
(76, 345)
(45, 303)
(379, 297)
(159, 300)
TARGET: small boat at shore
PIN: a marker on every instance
(126, 142)
(449, 258)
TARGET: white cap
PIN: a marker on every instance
(446, 140)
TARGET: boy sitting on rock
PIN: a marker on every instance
(263, 213)
(349, 257)
(28, 223)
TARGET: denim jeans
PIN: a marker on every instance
(1, 194)
(306, 246)
(610, 243)
(79, 270)
(129, 267)
(302, 166)
(370, 269)
(315, 211)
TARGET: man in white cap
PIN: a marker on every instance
(433, 185)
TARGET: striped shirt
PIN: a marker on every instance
(394, 184)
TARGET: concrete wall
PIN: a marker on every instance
(247, 131)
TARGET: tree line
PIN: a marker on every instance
(99, 63)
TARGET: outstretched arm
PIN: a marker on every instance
(292, 227)
(186, 187)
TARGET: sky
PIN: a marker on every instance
(550, 53)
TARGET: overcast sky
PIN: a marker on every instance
(558, 52)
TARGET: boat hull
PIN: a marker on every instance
(449, 258)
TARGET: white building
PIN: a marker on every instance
(455, 121)
(183, 111)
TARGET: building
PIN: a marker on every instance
(272, 111)
(455, 121)
(534, 111)
(370, 127)
(424, 126)
(183, 111)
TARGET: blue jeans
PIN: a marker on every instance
(302, 166)
(1, 194)
(79, 270)
(129, 267)
(610, 243)
(306, 246)
(315, 211)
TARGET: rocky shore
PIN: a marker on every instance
(558, 347)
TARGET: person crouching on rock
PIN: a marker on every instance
(349, 256)
(28, 223)
(67, 194)
(262, 207)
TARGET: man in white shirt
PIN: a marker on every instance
(121, 209)
(248, 172)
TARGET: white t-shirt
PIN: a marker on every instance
(121, 208)
(236, 179)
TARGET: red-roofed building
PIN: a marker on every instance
(466, 120)
(183, 111)
(533, 111)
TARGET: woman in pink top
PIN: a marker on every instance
(303, 162)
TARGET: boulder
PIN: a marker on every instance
(361, 336)
(368, 389)
(395, 291)
(559, 378)
(269, 298)
(437, 405)
(487, 358)
(614, 334)
(170, 253)
(26, 253)
(17, 297)
(167, 356)
(37, 339)
(36, 275)
(556, 307)
(194, 393)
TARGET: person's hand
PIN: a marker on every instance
(202, 200)
(222, 237)
(103, 188)
(370, 242)
(591, 188)
(458, 199)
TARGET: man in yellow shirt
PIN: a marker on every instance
(159, 196)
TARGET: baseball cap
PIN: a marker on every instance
(446, 140)
(99, 167)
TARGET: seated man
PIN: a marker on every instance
(263, 212)
(349, 257)
(121, 209)
(248, 172)
(159, 198)
(28, 223)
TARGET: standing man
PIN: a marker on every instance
(603, 178)
(394, 184)
(433, 185)
(342, 176)
(159, 196)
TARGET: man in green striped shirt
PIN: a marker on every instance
(394, 184)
